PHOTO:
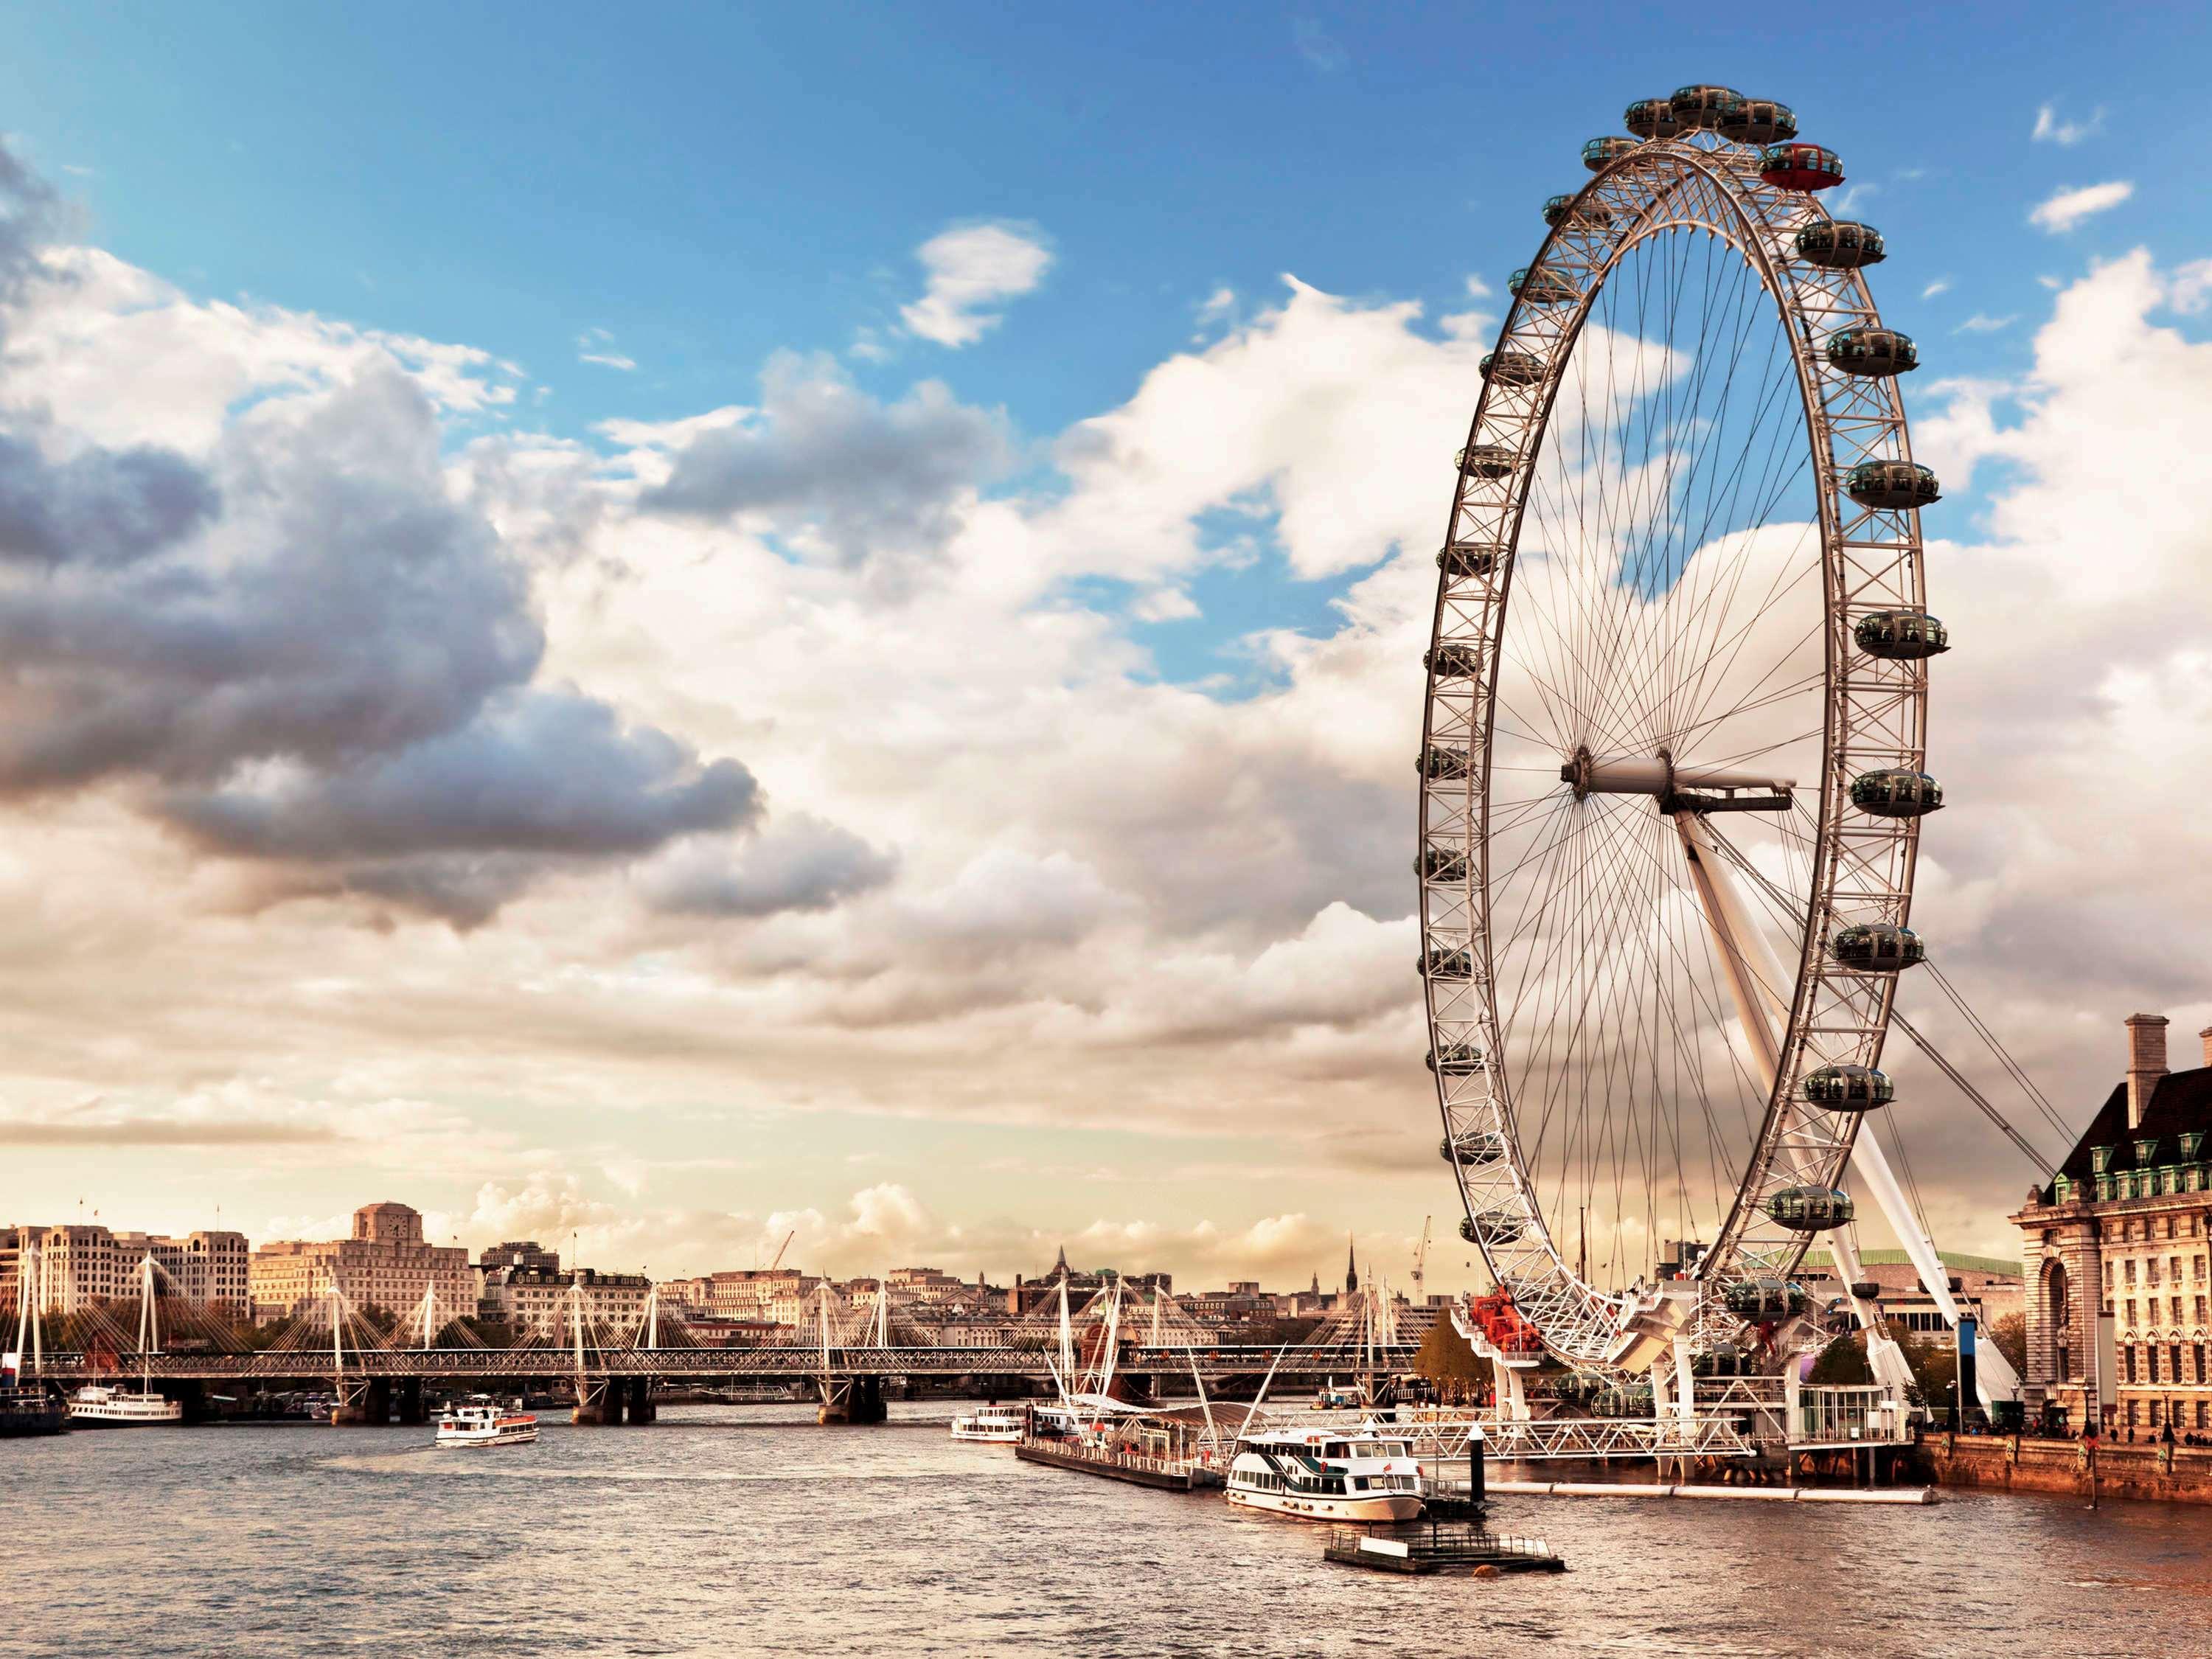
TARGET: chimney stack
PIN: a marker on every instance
(2146, 1061)
(2204, 1037)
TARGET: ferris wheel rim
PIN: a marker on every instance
(1578, 1320)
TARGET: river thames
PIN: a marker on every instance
(750, 1530)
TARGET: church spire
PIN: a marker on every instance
(1060, 1268)
(1351, 1267)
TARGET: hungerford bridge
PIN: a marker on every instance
(1118, 1341)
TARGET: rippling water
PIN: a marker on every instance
(750, 1530)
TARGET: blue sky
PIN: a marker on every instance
(692, 194)
(711, 185)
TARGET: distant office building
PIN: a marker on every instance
(519, 1253)
(529, 1299)
(1986, 1286)
(2122, 1229)
(385, 1264)
(86, 1263)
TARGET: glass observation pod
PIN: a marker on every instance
(1442, 761)
(1558, 209)
(1800, 166)
(1703, 106)
(1847, 1088)
(1457, 1060)
(1445, 960)
(1866, 1290)
(1878, 947)
(1472, 1151)
(1599, 153)
(1765, 1301)
(1485, 461)
(1509, 367)
(1756, 121)
(1541, 288)
(1873, 352)
(1463, 559)
(1811, 1209)
(1651, 118)
(1492, 1229)
(1901, 635)
(1893, 485)
(1897, 792)
(1840, 244)
(1454, 660)
(1440, 864)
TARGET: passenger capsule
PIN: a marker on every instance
(1599, 153)
(1651, 118)
(1800, 166)
(1897, 792)
(1811, 1209)
(1866, 1290)
(1509, 367)
(1472, 1151)
(1893, 485)
(1558, 209)
(1901, 635)
(1763, 1301)
(1442, 761)
(1847, 1088)
(1455, 659)
(1756, 121)
(1493, 1229)
(1444, 960)
(1877, 947)
(1464, 559)
(1457, 1059)
(1485, 461)
(1703, 106)
(1440, 864)
(1543, 288)
(1840, 244)
(1875, 352)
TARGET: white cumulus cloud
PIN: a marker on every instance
(2068, 208)
(972, 268)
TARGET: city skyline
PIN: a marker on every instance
(938, 676)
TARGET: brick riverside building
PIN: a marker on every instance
(2125, 1229)
(385, 1264)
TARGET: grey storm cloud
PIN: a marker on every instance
(537, 771)
(309, 654)
(801, 863)
(104, 507)
(825, 457)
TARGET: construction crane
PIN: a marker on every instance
(781, 1248)
(1421, 1257)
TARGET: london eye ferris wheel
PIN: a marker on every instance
(1672, 762)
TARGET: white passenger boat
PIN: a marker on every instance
(1000, 1425)
(1366, 1474)
(481, 1423)
(98, 1407)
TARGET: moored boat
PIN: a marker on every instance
(98, 1407)
(998, 1425)
(1328, 1473)
(483, 1423)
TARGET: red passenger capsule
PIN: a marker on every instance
(1800, 166)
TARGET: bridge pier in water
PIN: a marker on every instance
(368, 1400)
(853, 1399)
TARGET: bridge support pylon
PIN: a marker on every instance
(643, 1408)
(599, 1402)
(852, 1399)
